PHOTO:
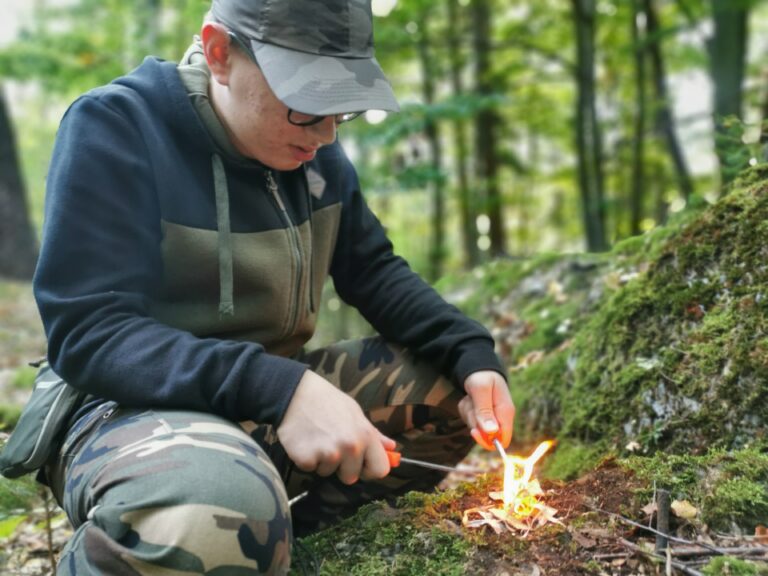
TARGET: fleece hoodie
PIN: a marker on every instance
(175, 273)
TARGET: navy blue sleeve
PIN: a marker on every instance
(395, 300)
(100, 266)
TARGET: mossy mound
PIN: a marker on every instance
(659, 345)
(677, 359)
(728, 488)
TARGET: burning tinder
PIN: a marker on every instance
(521, 509)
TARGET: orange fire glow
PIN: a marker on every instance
(520, 491)
(522, 511)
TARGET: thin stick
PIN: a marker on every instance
(611, 556)
(653, 530)
(49, 530)
(736, 551)
(677, 565)
(662, 520)
(713, 549)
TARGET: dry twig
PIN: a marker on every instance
(49, 529)
(660, 557)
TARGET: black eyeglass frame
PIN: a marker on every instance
(314, 118)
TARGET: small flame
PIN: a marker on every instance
(520, 492)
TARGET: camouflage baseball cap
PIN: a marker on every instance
(317, 55)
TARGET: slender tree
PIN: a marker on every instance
(486, 126)
(432, 132)
(18, 244)
(727, 56)
(665, 122)
(638, 141)
(466, 204)
(587, 128)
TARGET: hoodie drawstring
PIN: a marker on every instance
(309, 251)
(226, 282)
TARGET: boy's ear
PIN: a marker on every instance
(217, 50)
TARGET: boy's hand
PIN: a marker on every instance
(325, 431)
(488, 406)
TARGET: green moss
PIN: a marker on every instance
(726, 486)
(378, 540)
(742, 500)
(592, 567)
(552, 323)
(536, 391)
(728, 566)
(676, 359)
(571, 459)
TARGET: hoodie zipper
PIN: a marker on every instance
(294, 241)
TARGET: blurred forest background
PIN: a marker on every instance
(554, 125)
(528, 127)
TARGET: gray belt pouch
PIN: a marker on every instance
(37, 433)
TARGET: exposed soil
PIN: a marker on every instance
(585, 534)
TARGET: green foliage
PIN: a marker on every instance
(675, 358)
(24, 378)
(733, 148)
(76, 46)
(727, 486)
(572, 458)
(729, 566)
(8, 525)
(9, 416)
(17, 495)
(381, 541)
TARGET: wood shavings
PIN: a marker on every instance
(500, 520)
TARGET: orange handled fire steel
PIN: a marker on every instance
(493, 438)
(395, 459)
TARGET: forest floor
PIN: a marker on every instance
(24, 537)
(599, 527)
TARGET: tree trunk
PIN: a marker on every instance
(665, 122)
(466, 202)
(588, 136)
(18, 244)
(487, 121)
(728, 55)
(638, 143)
(426, 59)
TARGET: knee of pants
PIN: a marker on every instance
(201, 506)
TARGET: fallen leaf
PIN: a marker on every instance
(650, 509)
(583, 541)
(632, 446)
(684, 509)
(530, 358)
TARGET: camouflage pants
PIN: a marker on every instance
(174, 492)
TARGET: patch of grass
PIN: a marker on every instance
(24, 378)
(728, 566)
(20, 494)
(727, 487)
(9, 416)
(8, 525)
(572, 458)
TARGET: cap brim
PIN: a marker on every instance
(324, 85)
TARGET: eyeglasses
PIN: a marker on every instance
(301, 119)
(294, 117)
